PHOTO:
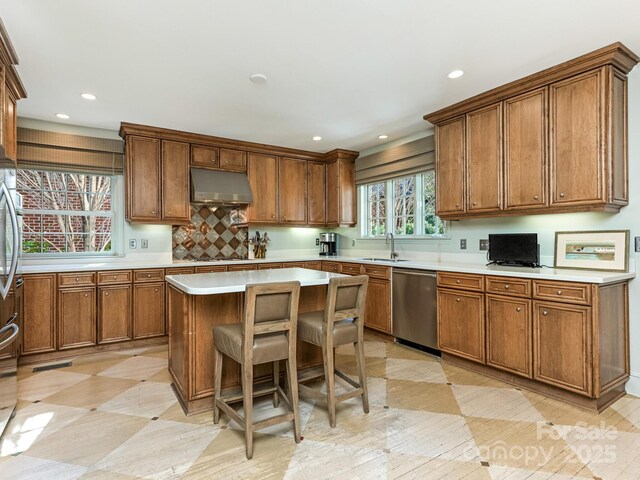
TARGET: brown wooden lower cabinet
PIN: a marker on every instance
(114, 313)
(562, 345)
(378, 305)
(40, 300)
(461, 324)
(76, 317)
(509, 334)
(148, 310)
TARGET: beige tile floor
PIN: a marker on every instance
(114, 416)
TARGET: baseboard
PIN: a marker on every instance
(633, 385)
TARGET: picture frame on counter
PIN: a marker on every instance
(605, 250)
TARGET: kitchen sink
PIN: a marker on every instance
(390, 260)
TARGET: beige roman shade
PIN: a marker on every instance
(406, 159)
(63, 152)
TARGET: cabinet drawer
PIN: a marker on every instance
(235, 160)
(579, 293)
(517, 287)
(462, 281)
(242, 267)
(331, 267)
(377, 271)
(269, 266)
(178, 271)
(204, 156)
(151, 275)
(211, 269)
(316, 265)
(294, 265)
(110, 278)
(351, 269)
(76, 279)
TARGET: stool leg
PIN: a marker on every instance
(247, 403)
(359, 346)
(291, 371)
(330, 382)
(217, 383)
(276, 382)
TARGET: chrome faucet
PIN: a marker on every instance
(394, 254)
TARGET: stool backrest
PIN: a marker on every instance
(271, 308)
(346, 298)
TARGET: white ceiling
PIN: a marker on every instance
(345, 70)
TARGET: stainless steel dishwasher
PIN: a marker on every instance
(414, 307)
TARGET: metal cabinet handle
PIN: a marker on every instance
(474, 203)
(561, 195)
(77, 279)
(115, 277)
(156, 290)
(148, 275)
(518, 309)
(86, 295)
(506, 287)
(153, 212)
(458, 282)
(535, 197)
(457, 299)
(559, 292)
(457, 205)
(106, 294)
(544, 313)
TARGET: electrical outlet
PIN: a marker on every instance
(353, 242)
(144, 243)
(637, 244)
(317, 241)
(463, 244)
(133, 243)
(484, 244)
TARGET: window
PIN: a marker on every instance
(411, 201)
(66, 213)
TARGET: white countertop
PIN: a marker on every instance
(233, 282)
(565, 275)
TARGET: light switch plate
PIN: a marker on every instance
(133, 243)
(144, 243)
(463, 244)
(637, 244)
(484, 244)
(317, 241)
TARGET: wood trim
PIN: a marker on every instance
(615, 54)
(606, 208)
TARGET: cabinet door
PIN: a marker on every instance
(509, 334)
(461, 324)
(525, 155)
(333, 193)
(292, 191)
(148, 310)
(577, 162)
(562, 346)
(378, 305)
(114, 313)
(316, 193)
(233, 160)
(175, 182)
(39, 323)
(9, 126)
(76, 317)
(450, 153)
(341, 193)
(204, 156)
(143, 179)
(484, 159)
(263, 178)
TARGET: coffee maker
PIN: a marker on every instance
(328, 244)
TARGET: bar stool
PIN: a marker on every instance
(340, 323)
(267, 334)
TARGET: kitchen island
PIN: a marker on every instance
(198, 302)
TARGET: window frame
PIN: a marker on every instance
(419, 212)
(117, 220)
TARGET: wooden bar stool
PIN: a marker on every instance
(267, 334)
(340, 323)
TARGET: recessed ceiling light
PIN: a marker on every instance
(317, 138)
(383, 137)
(88, 96)
(258, 78)
(456, 74)
(62, 115)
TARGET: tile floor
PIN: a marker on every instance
(114, 416)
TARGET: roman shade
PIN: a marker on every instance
(63, 152)
(406, 159)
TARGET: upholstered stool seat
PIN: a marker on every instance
(340, 323)
(267, 334)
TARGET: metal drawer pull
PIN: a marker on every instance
(535, 197)
(114, 277)
(562, 195)
(518, 309)
(86, 295)
(458, 282)
(106, 294)
(506, 287)
(77, 279)
(559, 292)
(544, 312)
(457, 299)
(148, 275)
(156, 290)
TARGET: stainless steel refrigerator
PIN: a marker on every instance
(10, 289)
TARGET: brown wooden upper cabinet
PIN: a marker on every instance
(552, 142)
(525, 150)
(175, 182)
(204, 156)
(11, 90)
(450, 167)
(484, 159)
(233, 160)
(292, 191)
(341, 189)
(316, 193)
(263, 178)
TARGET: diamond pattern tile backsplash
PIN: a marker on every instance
(214, 233)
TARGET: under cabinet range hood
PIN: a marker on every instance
(220, 188)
